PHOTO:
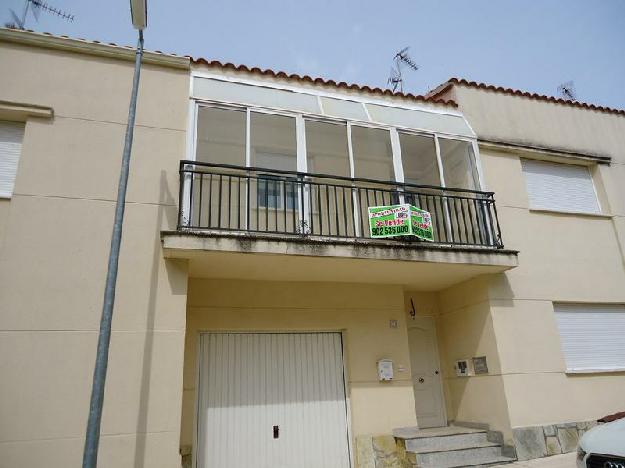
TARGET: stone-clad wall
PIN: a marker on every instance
(552, 439)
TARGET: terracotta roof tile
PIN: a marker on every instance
(516, 92)
(320, 81)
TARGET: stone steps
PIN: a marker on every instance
(451, 447)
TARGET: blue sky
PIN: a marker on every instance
(531, 45)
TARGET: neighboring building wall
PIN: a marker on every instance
(54, 258)
(361, 312)
(563, 257)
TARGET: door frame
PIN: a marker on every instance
(196, 419)
(438, 359)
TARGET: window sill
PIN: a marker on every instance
(571, 213)
(595, 371)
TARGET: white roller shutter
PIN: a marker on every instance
(11, 136)
(560, 187)
(592, 336)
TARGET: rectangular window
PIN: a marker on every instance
(459, 167)
(559, 187)
(273, 142)
(221, 136)
(418, 154)
(592, 336)
(11, 136)
(373, 155)
(326, 148)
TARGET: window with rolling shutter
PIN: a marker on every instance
(11, 136)
(560, 187)
(592, 336)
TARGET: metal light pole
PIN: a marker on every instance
(90, 455)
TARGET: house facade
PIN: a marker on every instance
(270, 308)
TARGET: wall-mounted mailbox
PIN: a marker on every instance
(385, 370)
(480, 366)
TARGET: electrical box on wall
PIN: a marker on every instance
(464, 367)
(385, 370)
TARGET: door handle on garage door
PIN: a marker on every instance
(276, 432)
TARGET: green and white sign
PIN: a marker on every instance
(400, 220)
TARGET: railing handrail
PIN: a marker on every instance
(185, 162)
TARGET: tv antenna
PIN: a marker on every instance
(401, 59)
(567, 91)
(36, 7)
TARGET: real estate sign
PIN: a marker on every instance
(400, 220)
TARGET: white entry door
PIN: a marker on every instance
(271, 400)
(426, 375)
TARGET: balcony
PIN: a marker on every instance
(230, 199)
(228, 212)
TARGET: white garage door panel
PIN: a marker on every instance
(250, 383)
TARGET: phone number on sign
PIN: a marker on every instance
(389, 230)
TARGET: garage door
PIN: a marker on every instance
(271, 400)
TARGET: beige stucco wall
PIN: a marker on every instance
(362, 312)
(563, 257)
(4, 217)
(54, 255)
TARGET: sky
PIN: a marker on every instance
(533, 45)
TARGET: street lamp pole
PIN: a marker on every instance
(92, 439)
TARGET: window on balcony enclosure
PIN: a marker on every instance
(327, 152)
(326, 148)
(418, 154)
(221, 136)
(373, 155)
(273, 146)
(459, 167)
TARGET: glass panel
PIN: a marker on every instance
(420, 120)
(344, 109)
(373, 156)
(418, 154)
(326, 148)
(274, 197)
(220, 136)
(273, 142)
(459, 167)
(216, 90)
(331, 209)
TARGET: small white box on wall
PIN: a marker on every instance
(385, 370)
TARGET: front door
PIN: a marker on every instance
(426, 376)
(271, 400)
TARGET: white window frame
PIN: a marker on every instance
(302, 162)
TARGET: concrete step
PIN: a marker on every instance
(474, 456)
(448, 442)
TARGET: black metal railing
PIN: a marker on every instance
(224, 197)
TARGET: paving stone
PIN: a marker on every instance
(364, 452)
(384, 444)
(529, 442)
(553, 446)
(550, 430)
(568, 439)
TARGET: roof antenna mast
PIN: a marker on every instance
(567, 91)
(401, 59)
(36, 6)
